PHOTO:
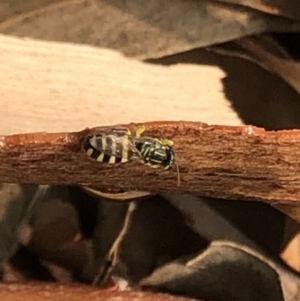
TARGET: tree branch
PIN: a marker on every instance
(215, 161)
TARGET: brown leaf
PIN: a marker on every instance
(224, 271)
(288, 9)
(152, 233)
(267, 53)
(171, 26)
(235, 221)
(14, 8)
(18, 205)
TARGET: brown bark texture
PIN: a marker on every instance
(216, 161)
(53, 292)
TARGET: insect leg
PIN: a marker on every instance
(140, 130)
(125, 148)
(167, 142)
(178, 175)
(112, 160)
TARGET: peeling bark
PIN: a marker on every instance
(216, 161)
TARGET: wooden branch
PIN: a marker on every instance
(215, 161)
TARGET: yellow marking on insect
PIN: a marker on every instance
(167, 142)
(103, 143)
(93, 141)
(145, 151)
(100, 158)
(125, 149)
(112, 160)
(139, 131)
(89, 151)
(113, 146)
(156, 161)
(153, 166)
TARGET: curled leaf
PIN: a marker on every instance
(224, 271)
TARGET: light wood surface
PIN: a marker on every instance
(57, 87)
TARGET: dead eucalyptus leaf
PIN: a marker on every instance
(258, 96)
(288, 8)
(224, 271)
(266, 52)
(132, 243)
(70, 212)
(18, 204)
(233, 221)
(11, 8)
(117, 196)
(111, 217)
(27, 266)
(170, 26)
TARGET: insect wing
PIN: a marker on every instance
(107, 140)
(117, 131)
(136, 154)
(105, 144)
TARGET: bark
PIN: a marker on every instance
(55, 292)
(243, 162)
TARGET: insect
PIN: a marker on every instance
(118, 145)
(110, 145)
(156, 152)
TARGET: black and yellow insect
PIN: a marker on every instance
(118, 145)
(155, 152)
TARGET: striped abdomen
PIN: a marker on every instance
(110, 148)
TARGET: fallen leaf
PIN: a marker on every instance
(224, 271)
(288, 9)
(170, 26)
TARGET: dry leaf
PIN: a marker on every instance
(171, 26)
(288, 8)
(224, 271)
(13, 8)
(254, 224)
(17, 206)
(153, 234)
(266, 52)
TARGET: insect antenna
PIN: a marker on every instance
(170, 143)
(162, 136)
(178, 174)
